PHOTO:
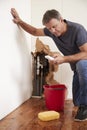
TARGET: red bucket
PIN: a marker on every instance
(55, 96)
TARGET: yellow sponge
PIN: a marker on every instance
(48, 115)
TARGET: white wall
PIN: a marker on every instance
(15, 57)
(74, 10)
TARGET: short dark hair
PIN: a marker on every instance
(49, 14)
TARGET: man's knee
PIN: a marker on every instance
(81, 65)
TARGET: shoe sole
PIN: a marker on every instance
(80, 120)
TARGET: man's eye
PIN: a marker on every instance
(55, 26)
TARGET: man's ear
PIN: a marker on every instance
(61, 19)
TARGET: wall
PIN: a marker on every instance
(15, 57)
(74, 10)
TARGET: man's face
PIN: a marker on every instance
(55, 26)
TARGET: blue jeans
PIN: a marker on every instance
(80, 83)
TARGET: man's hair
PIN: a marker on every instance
(49, 14)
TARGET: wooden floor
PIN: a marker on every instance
(25, 118)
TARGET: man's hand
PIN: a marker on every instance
(58, 58)
(16, 18)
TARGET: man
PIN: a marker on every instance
(71, 40)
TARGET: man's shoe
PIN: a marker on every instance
(81, 114)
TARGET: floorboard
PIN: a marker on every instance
(25, 118)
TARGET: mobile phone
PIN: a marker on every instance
(49, 57)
